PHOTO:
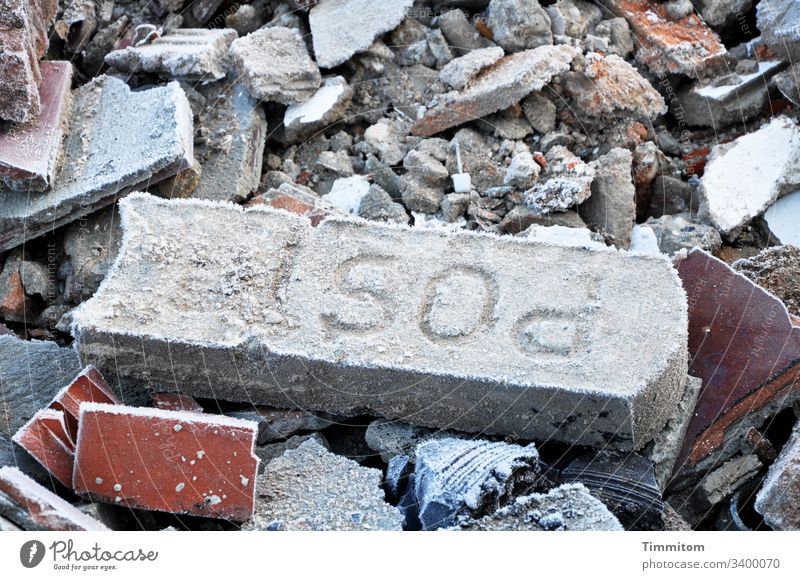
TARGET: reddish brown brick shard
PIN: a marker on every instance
(88, 387)
(685, 46)
(745, 347)
(175, 402)
(29, 153)
(172, 461)
(32, 507)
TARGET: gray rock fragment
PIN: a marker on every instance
(569, 507)
(573, 18)
(612, 205)
(675, 233)
(310, 488)
(270, 451)
(778, 500)
(462, 36)
(190, 53)
(274, 424)
(459, 71)
(378, 205)
(540, 112)
(518, 24)
(566, 182)
(274, 65)
(395, 438)
(423, 183)
(779, 22)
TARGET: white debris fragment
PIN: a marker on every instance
(320, 103)
(783, 219)
(644, 241)
(347, 193)
(564, 236)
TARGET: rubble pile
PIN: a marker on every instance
(399, 265)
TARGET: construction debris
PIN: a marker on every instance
(777, 270)
(777, 500)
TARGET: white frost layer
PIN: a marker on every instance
(722, 92)
(564, 236)
(347, 193)
(746, 176)
(320, 103)
(188, 417)
(644, 241)
(783, 219)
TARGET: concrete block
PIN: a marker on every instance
(119, 140)
(354, 315)
(778, 500)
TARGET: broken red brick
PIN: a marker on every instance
(695, 160)
(745, 347)
(29, 153)
(88, 387)
(172, 461)
(685, 46)
(310, 208)
(175, 402)
(14, 304)
(32, 507)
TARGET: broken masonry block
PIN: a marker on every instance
(497, 87)
(31, 374)
(625, 483)
(354, 316)
(323, 109)
(276, 424)
(744, 177)
(746, 348)
(24, 28)
(49, 437)
(120, 139)
(457, 477)
(310, 488)
(231, 153)
(194, 54)
(297, 201)
(395, 438)
(35, 508)
(30, 153)
(569, 507)
(342, 28)
(670, 46)
(778, 500)
(170, 461)
(459, 71)
(175, 402)
(274, 65)
(778, 21)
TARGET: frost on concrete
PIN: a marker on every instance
(778, 500)
(744, 177)
(353, 315)
(783, 218)
(347, 193)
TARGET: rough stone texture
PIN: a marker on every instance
(14, 304)
(667, 444)
(173, 461)
(394, 438)
(270, 451)
(744, 177)
(728, 99)
(231, 155)
(573, 18)
(540, 112)
(497, 87)
(612, 206)
(378, 205)
(518, 24)
(24, 28)
(461, 34)
(341, 28)
(275, 424)
(788, 85)
(309, 488)
(30, 153)
(457, 477)
(569, 507)
(624, 483)
(720, 13)
(357, 315)
(274, 65)
(779, 23)
(778, 500)
(35, 508)
(745, 347)
(325, 107)
(31, 373)
(777, 270)
(610, 87)
(683, 46)
(195, 54)
(119, 139)
(459, 71)
(567, 181)
(175, 402)
(675, 233)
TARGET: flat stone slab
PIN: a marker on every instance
(452, 330)
(30, 152)
(119, 139)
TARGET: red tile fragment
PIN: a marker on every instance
(32, 507)
(172, 461)
(88, 386)
(14, 304)
(29, 153)
(175, 402)
(312, 209)
(745, 347)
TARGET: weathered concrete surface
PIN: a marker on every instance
(777, 270)
(497, 87)
(353, 315)
(459, 71)
(569, 507)
(779, 23)
(325, 107)
(341, 28)
(393, 438)
(30, 153)
(778, 500)
(198, 54)
(119, 140)
(31, 373)
(274, 65)
(310, 488)
(612, 205)
(744, 177)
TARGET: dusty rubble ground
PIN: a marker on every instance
(621, 126)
